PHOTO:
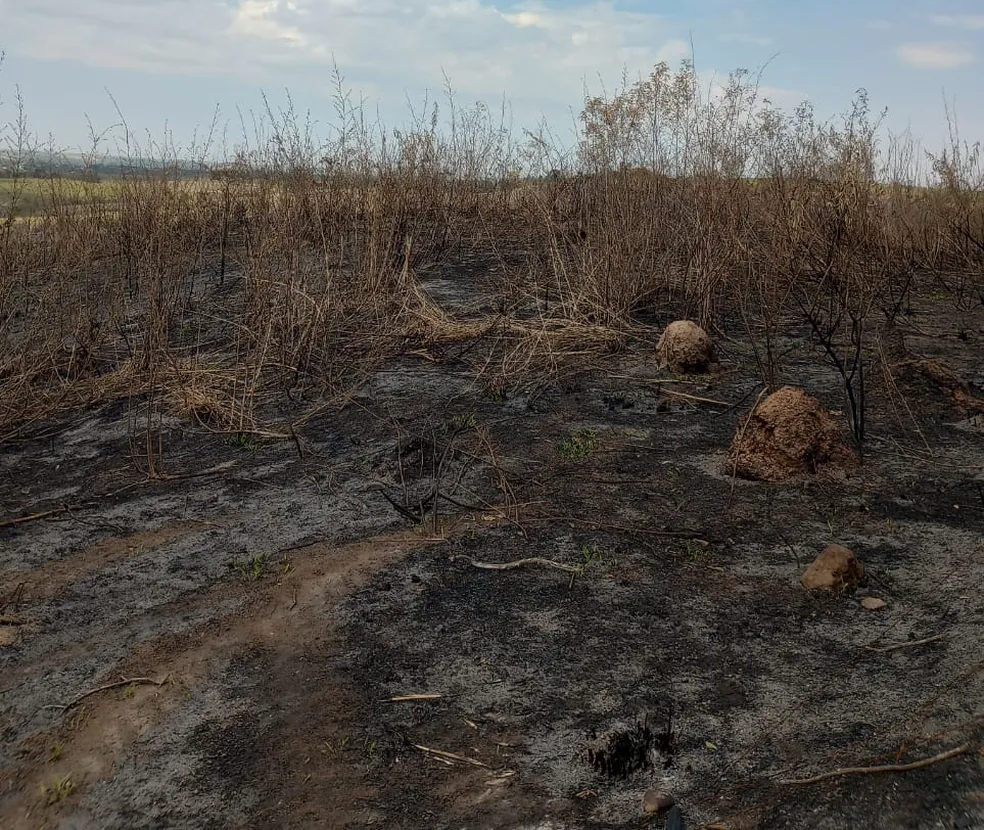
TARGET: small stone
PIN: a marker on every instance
(8, 636)
(836, 568)
(872, 603)
(654, 802)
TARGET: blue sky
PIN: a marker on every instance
(171, 62)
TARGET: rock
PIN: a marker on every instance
(872, 603)
(654, 802)
(787, 434)
(684, 347)
(835, 569)
(8, 636)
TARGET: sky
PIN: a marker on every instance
(167, 66)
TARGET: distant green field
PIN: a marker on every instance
(28, 197)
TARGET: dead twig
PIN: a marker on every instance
(925, 762)
(399, 508)
(935, 638)
(406, 698)
(741, 439)
(297, 441)
(519, 563)
(126, 681)
(450, 756)
(32, 518)
(694, 398)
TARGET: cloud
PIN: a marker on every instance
(743, 37)
(673, 51)
(525, 50)
(257, 18)
(525, 20)
(959, 21)
(934, 55)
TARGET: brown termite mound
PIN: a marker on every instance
(685, 347)
(787, 434)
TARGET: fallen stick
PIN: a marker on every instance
(441, 760)
(694, 398)
(519, 563)
(926, 762)
(32, 518)
(405, 698)
(126, 681)
(440, 753)
(933, 639)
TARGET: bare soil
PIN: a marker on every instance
(269, 599)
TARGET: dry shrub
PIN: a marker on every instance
(293, 265)
(215, 398)
(787, 434)
(685, 347)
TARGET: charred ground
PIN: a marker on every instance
(282, 601)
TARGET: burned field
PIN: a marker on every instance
(229, 643)
(380, 492)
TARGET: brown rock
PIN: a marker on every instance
(872, 603)
(787, 434)
(835, 569)
(654, 802)
(684, 347)
(8, 636)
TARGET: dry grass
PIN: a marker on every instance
(294, 269)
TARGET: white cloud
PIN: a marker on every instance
(535, 54)
(257, 18)
(934, 55)
(960, 21)
(673, 51)
(525, 20)
(539, 57)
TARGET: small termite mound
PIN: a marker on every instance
(787, 434)
(684, 347)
